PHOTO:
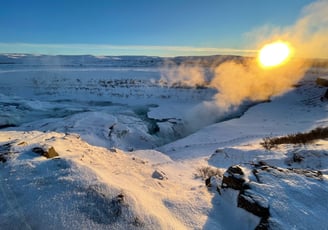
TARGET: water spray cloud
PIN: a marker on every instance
(183, 74)
(237, 82)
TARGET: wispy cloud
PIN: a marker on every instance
(102, 49)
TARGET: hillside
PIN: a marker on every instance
(112, 151)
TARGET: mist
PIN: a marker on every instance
(183, 74)
(237, 82)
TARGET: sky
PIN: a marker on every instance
(138, 27)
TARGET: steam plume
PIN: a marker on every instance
(183, 74)
(236, 82)
(308, 35)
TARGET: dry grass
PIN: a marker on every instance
(207, 172)
(298, 138)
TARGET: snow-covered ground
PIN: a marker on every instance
(126, 161)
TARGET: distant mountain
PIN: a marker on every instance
(112, 61)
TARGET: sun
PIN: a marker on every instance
(274, 54)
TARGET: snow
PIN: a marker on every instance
(114, 127)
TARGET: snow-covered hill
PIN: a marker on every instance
(107, 148)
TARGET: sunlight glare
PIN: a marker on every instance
(274, 54)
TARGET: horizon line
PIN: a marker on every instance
(116, 50)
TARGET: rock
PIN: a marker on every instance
(253, 203)
(218, 190)
(38, 150)
(297, 158)
(51, 153)
(160, 175)
(248, 199)
(120, 198)
(5, 151)
(263, 225)
(2, 159)
(208, 182)
(46, 152)
(326, 94)
(233, 178)
(322, 81)
(113, 150)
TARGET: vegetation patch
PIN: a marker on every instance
(207, 172)
(298, 138)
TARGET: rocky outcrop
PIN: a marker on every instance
(322, 81)
(253, 203)
(325, 96)
(5, 151)
(233, 178)
(257, 193)
(48, 152)
(159, 174)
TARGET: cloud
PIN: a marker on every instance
(103, 49)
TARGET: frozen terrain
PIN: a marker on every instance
(102, 143)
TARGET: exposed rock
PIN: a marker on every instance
(46, 152)
(263, 225)
(325, 96)
(256, 189)
(5, 150)
(3, 159)
(113, 150)
(248, 200)
(160, 175)
(253, 203)
(233, 178)
(236, 170)
(208, 182)
(102, 208)
(51, 153)
(137, 222)
(297, 158)
(322, 81)
(270, 168)
(305, 172)
(139, 160)
(120, 198)
(38, 150)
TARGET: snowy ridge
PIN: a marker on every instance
(87, 61)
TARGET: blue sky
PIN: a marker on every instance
(138, 27)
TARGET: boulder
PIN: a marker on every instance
(48, 152)
(248, 199)
(263, 225)
(233, 178)
(325, 96)
(322, 81)
(253, 203)
(5, 151)
(160, 175)
(3, 159)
